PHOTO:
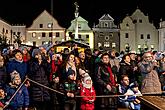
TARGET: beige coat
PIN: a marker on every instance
(150, 79)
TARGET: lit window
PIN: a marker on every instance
(113, 45)
(34, 34)
(106, 44)
(79, 26)
(50, 25)
(99, 44)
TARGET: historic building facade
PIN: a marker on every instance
(137, 33)
(44, 29)
(106, 34)
(85, 33)
(161, 36)
(12, 32)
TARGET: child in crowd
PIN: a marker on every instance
(70, 88)
(88, 94)
(21, 99)
(131, 96)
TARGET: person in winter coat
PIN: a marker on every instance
(122, 89)
(39, 71)
(106, 83)
(131, 96)
(17, 64)
(88, 94)
(70, 89)
(21, 99)
(150, 78)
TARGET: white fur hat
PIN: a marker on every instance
(14, 75)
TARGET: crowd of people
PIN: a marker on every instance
(82, 80)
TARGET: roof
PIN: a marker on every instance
(106, 17)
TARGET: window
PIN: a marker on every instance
(79, 36)
(126, 35)
(43, 34)
(140, 20)
(87, 36)
(34, 34)
(57, 34)
(101, 34)
(134, 21)
(164, 35)
(105, 24)
(13, 33)
(41, 25)
(50, 34)
(148, 36)
(6, 31)
(79, 26)
(152, 47)
(43, 42)
(18, 33)
(113, 45)
(106, 44)
(50, 25)
(99, 44)
(110, 34)
(141, 36)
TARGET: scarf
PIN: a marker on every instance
(113, 83)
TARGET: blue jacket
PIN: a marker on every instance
(21, 99)
(20, 67)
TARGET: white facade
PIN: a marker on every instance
(138, 33)
(161, 36)
(84, 31)
(43, 30)
(10, 31)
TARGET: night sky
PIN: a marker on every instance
(25, 11)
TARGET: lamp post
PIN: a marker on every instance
(76, 19)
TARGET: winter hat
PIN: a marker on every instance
(87, 77)
(14, 75)
(36, 52)
(70, 71)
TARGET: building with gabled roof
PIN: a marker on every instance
(44, 29)
(85, 33)
(106, 34)
(137, 33)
